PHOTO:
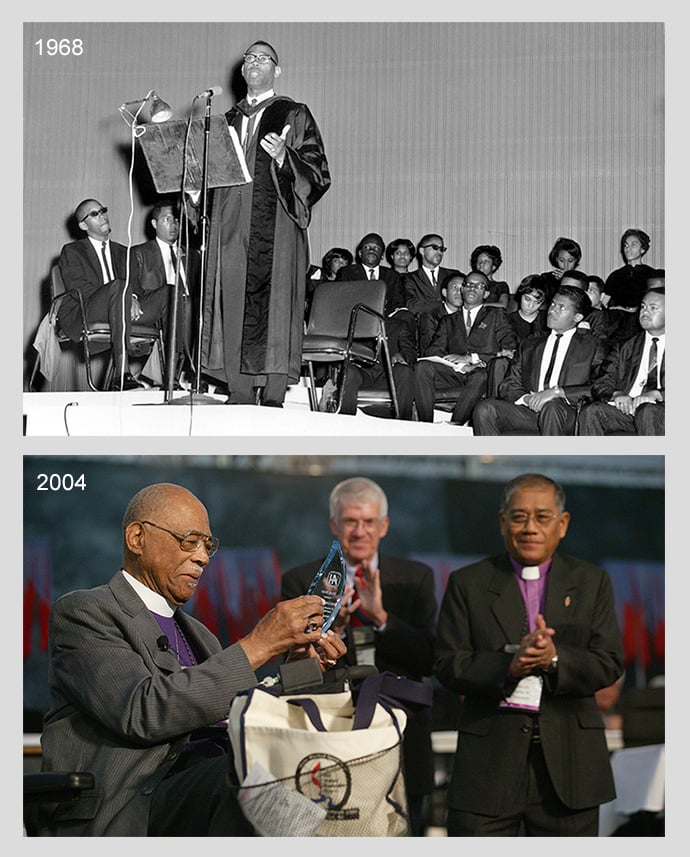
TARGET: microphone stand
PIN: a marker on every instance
(196, 396)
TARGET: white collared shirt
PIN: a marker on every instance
(97, 245)
(641, 379)
(564, 343)
(257, 116)
(153, 600)
(431, 273)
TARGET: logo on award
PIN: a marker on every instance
(334, 579)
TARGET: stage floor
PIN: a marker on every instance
(147, 413)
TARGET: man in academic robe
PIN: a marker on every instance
(258, 252)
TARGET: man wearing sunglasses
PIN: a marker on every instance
(423, 286)
(140, 689)
(97, 267)
(258, 247)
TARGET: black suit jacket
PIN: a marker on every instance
(419, 293)
(406, 647)
(427, 322)
(491, 332)
(581, 366)
(148, 268)
(81, 270)
(620, 368)
(395, 296)
(482, 611)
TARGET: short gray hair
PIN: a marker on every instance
(359, 489)
(532, 480)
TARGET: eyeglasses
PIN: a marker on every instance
(262, 59)
(192, 540)
(543, 519)
(98, 213)
(368, 524)
(436, 247)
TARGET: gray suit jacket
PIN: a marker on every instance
(482, 611)
(122, 708)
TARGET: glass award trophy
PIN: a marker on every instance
(329, 583)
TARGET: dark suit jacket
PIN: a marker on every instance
(620, 369)
(419, 293)
(427, 322)
(123, 709)
(491, 332)
(406, 647)
(81, 269)
(148, 270)
(581, 366)
(482, 611)
(395, 296)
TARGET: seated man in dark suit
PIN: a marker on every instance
(629, 394)
(423, 286)
(465, 341)
(157, 264)
(370, 250)
(402, 346)
(428, 319)
(595, 320)
(97, 267)
(140, 689)
(548, 374)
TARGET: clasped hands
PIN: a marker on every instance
(536, 651)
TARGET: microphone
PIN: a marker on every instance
(163, 643)
(209, 93)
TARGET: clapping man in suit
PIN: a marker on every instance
(388, 614)
(527, 638)
(630, 395)
(97, 267)
(466, 341)
(140, 689)
(423, 286)
(368, 266)
(548, 375)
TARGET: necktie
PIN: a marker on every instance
(651, 382)
(468, 322)
(433, 279)
(359, 619)
(250, 125)
(552, 362)
(108, 272)
(173, 265)
(371, 273)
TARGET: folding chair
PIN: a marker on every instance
(346, 323)
(96, 335)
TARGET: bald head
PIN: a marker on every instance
(157, 501)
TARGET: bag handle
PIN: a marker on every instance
(386, 687)
(311, 709)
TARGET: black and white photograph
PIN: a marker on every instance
(387, 228)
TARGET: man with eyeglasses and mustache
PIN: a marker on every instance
(527, 638)
(258, 244)
(140, 689)
(97, 268)
(423, 287)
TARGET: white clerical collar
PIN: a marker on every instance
(530, 572)
(153, 600)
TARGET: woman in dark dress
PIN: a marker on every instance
(530, 316)
(399, 255)
(565, 256)
(487, 259)
(626, 285)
